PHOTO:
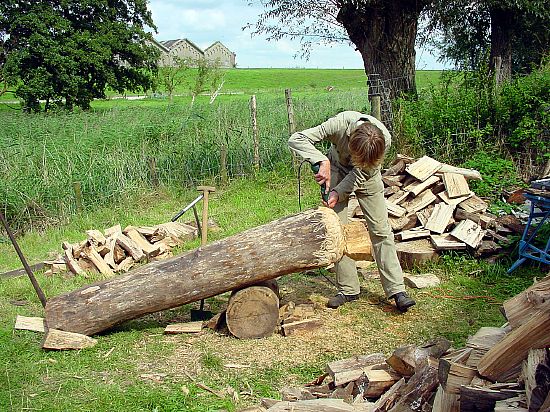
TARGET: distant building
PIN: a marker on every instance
(186, 49)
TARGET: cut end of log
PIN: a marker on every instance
(331, 235)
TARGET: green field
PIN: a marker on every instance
(138, 162)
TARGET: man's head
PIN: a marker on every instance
(367, 146)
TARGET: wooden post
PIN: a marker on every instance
(291, 125)
(224, 175)
(375, 106)
(153, 171)
(204, 228)
(255, 133)
(77, 187)
(255, 255)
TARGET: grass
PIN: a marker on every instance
(135, 367)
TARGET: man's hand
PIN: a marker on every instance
(323, 176)
(332, 199)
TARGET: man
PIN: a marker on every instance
(358, 144)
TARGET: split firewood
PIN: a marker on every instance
(468, 232)
(131, 247)
(126, 264)
(414, 233)
(374, 382)
(423, 168)
(113, 231)
(406, 359)
(456, 185)
(188, 327)
(351, 369)
(393, 180)
(300, 326)
(95, 237)
(314, 405)
(408, 221)
(473, 204)
(456, 201)
(522, 306)
(446, 242)
(445, 401)
(536, 374)
(440, 217)
(453, 375)
(395, 210)
(34, 324)
(398, 197)
(480, 399)
(389, 398)
(70, 261)
(93, 256)
(395, 168)
(149, 249)
(61, 340)
(419, 388)
(467, 173)
(418, 187)
(420, 202)
(503, 361)
(110, 256)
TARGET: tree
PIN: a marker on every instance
(173, 75)
(206, 77)
(67, 52)
(506, 34)
(383, 31)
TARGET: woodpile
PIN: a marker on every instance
(116, 250)
(500, 369)
(432, 209)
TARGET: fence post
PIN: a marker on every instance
(223, 163)
(255, 133)
(375, 106)
(153, 171)
(291, 125)
(77, 188)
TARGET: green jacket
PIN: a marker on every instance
(337, 130)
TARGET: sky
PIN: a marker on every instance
(207, 21)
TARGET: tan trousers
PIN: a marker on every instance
(371, 200)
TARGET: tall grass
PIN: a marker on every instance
(111, 150)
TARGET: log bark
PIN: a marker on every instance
(521, 307)
(308, 240)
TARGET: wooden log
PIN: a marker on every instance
(536, 373)
(453, 202)
(405, 360)
(414, 233)
(374, 382)
(113, 231)
(71, 262)
(467, 173)
(252, 312)
(473, 204)
(502, 362)
(95, 237)
(415, 252)
(404, 222)
(398, 197)
(131, 247)
(140, 240)
(308, 240)
(396, 168)
(358, 243)
(351, 369)
(521, 307)
(61, 340)
(91, 254)
(420, 202)
(395, 210)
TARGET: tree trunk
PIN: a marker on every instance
(308, 240)
(385, 33)
(502, 24)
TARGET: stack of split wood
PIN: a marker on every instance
(500, 369)
(116, 250)
(431, 209)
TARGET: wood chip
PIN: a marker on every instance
(425, 280)
(60, 340)
(446, 242)
(34, 324)
(188, 327)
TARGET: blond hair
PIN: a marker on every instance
(367, 146)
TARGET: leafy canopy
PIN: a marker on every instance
(71, 50)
